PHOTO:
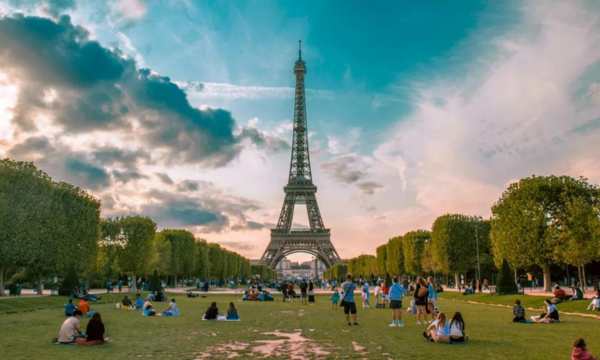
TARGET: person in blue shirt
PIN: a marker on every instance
(139, 302)
(432, 297)
(335, 298)
(395, 294)
(348, 288)
(70, 308)
(365, 294)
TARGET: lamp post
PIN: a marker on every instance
(477, 219)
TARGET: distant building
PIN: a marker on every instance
(294, 270)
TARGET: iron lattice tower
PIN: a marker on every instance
(285, 240)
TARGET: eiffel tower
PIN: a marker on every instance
(300, 190)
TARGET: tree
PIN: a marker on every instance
(532, 219)
(181, 262)
(506, 282)
(138, 233)
(413, 243)
(47, 227)
(454, 239)
(381, 259)
(578, 238)
(395, 256)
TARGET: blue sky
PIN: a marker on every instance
(415, 109)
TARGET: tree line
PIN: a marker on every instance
(538, 222)
(50, 228)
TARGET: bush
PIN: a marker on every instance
(69, 283)
(506, 282)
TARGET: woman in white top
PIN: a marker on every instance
(457, 328)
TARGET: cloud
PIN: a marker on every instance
(238, 245)
(352, 168)
(93, 176)
(127, 11)
(98, 89)
(212, 91)
(515, 114)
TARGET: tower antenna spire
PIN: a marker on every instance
(299, 49)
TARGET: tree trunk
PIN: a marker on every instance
(175, 280)
(2, 292)
(133, 287)
(582, 278)
(40, 287)
(547, 279)
(456, 281)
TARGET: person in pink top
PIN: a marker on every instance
(580, 351)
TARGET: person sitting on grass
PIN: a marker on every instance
(518, 312)
(438, 331)
(212, 312)
(550, 316)
(577, 293)
(171, 310)
(232, 313)
(83, 306)
(580, 352)
(335, 298)
(559, 294)
(70, 308)
(69, 330)
(148, 309)
(126, 302)
(595, 304)
(94, 332)
(457, 328)
(139, 302)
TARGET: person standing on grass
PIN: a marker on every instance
(311, 292)
(303, 292)
(348, 288)
(420, 296)
(396, 293)
(432, 297)
(365, 295)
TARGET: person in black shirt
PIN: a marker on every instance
(212, 312)
(94, 332)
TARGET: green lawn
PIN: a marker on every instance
(26, 334)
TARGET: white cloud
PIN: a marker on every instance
(129, 10)
(468, 137)
(212, 90)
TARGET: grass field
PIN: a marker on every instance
(28, 325)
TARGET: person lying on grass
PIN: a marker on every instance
(518, 312)
(550, 316)
(69, 330)
(580, 352)
(212, 312)
(94, 332)
(171, 310)
(438, 330)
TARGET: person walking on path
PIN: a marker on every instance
(396, 293)
(348, 288)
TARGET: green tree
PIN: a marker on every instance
(381, 259)
(395, 257)
(413, 244)
(532, 219)
(138, 234)
(181, 262)
(506, 282)
(454, 240)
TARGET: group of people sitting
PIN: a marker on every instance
(83, 306)
(212, 313)
(441, 330)
(70, 332)
(171, 310)
(254, 294)
(551, 314)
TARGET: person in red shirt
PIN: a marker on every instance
(83, 306)
(580, 351)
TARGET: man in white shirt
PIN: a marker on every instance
(69, 330)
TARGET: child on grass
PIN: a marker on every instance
(518, 312)
(335, 298)
(580, 352)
